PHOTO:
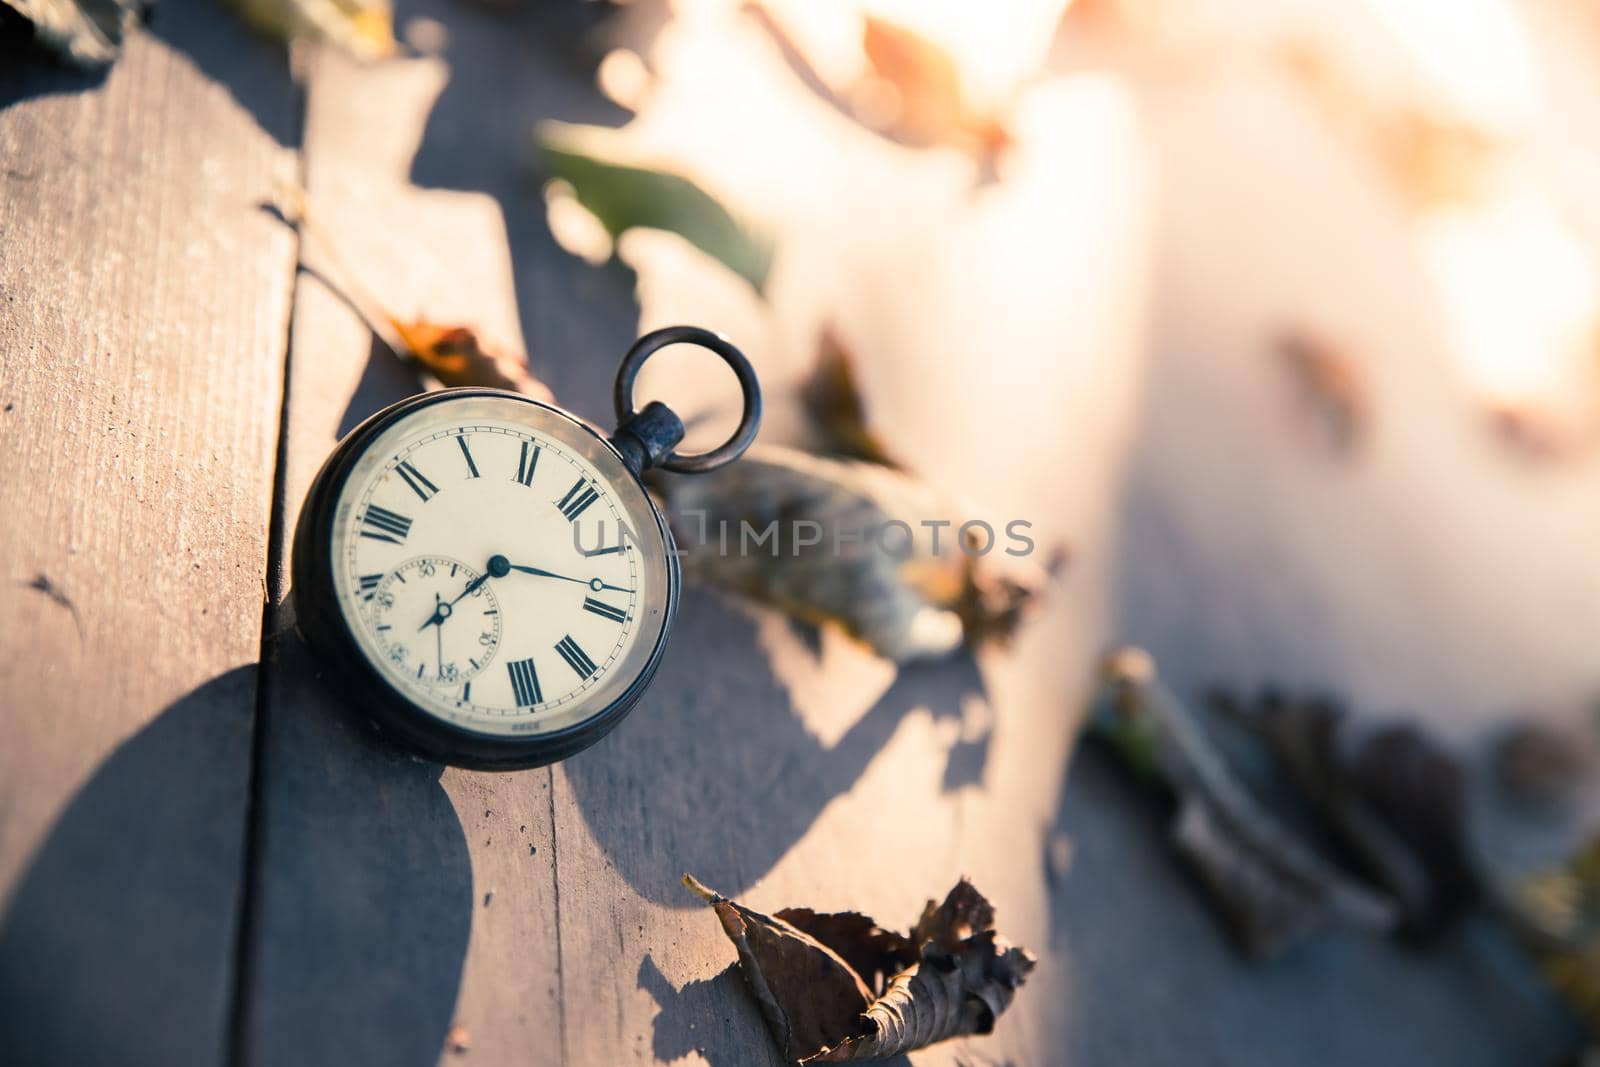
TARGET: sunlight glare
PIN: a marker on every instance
(1519, 291)
(1474, 55)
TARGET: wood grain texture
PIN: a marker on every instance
(541, 911)
(143, 312)
(143, 307)
(385, 884)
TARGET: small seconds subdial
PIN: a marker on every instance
(436, 620)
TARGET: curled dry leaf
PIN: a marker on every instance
(1393, 798)
(837, 987)
(362, 28)
(850, 543)
(834, 402)
(453, 355)
(1271, 886)
(1332, 383)
(623, 194)
(84, 33)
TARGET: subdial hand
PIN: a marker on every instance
(497, 568)
(438, 634)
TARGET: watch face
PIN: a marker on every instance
(495, 565)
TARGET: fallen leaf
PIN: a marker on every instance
(1545, 766)
(1432, 158)
(1435, 159)
(453, 355)
(1537, 432)
(847, 542)
(1394, 799)
(931, 105)
(1272, 887)
(923, 74)
(913, 94)
(1332, 383)
(362, 28)
(837, 987)
(833, 400)
(623, 193)
(84, 33)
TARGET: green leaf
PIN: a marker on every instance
(623, 195)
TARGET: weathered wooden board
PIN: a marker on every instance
(551, 898)
(144, 305)
(385, 884)
(142, 333)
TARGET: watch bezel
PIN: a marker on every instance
(322, 623)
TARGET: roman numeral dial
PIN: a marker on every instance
(527, 461)
(525, 683)
(604, 610)
(578, 499)
(575, 656)
(418, 481)
(494, 571)
(381, 524)
(466, 454)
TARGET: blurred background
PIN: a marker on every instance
(1279, 322)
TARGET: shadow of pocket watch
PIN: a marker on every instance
(485, 574)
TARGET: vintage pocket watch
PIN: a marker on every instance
(486, 575)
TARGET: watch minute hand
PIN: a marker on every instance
(547, 574)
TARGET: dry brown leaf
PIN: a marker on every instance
(850, 546)
(838, 987)
(931, 106)
(1545, 766)
(1333, 384)
(1432, 158)
(833, 400)
(1392, 797)
(1271, 886)
(453, 355)
(1539, 433)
